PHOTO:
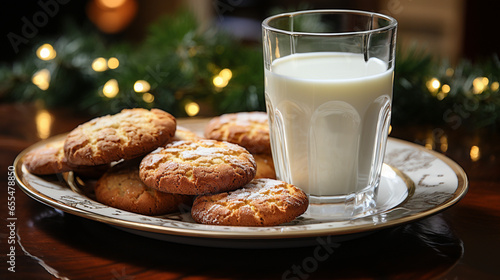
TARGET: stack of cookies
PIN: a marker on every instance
(158, 168)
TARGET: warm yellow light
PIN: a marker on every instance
(219, 82)
(46, 52)
(445, 88)
(148, 97)
(444, 143)
(226, 74)
(111, 4)
(192, 109)
(433, 85)
(485, 81)
(41, 79)
(110, 88)
(440, 95)
(475, 153)
(43, 122)
(429, 142)
(113, 63)
(223, 78)
(494, 86)
(479, 85)
(141, 86)
(99, 64)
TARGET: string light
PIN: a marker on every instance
(433, 85)
(41, 79)
(475, 153)
(99, 64)
(110, 88)
(219, 82)
(445, 88)
(429, 143)
(141, 86)
(226, 74)
(148, 97)
(113, 63)
(222, 79)
(444, 143)
(43, 122)
(494, 86)
(46, 52)
(479, 85)
(192, 109)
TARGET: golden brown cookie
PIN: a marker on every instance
(247, 129)
(265, 166)
(183, 133)
(262, 202)
(121, 187)
(197, 167)
(47, 159)
(128, 134)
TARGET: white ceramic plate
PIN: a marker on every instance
(415, 183)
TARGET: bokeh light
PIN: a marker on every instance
(113, 63)
(46, 52)
(110, 88)
(192, 109)
(41, 79)
(99, 64)
(141, 86)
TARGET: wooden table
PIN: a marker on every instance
(463, 242)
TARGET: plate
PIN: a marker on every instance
(415, 183)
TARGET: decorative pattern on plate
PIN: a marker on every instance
(438, 183)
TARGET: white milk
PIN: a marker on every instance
(326, 110)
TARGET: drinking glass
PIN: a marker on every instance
(328, 88)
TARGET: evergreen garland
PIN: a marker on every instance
(179, 63)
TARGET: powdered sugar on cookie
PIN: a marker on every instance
(262, 202)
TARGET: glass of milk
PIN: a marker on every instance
(328, 87)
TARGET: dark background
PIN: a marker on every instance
(480, 31)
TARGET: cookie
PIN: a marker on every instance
(47, 159)
(262, 202)
(265, 166)
(122, 188)
(183, 133)
(247, 129)
(128, 134)
(198, 167)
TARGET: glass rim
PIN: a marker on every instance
(392, 22)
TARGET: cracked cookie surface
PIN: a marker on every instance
(47, 159)
(128, 134)
(262, 202)
(183, 133)
(247, 129)
(198, 167)
(121, 187)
